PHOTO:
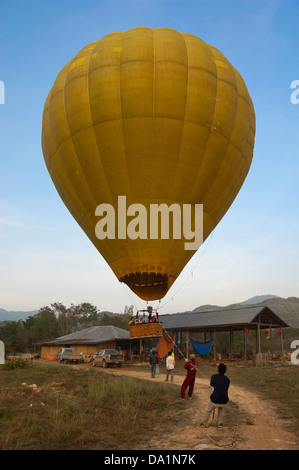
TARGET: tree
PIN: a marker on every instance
(64, 318)
(43, 325)
(84, 314)
(23, 341)
(128, 314)
(129, 311)
(48, 323)
(9, 333)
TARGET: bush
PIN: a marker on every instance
(16, 363)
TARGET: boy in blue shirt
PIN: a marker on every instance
(219, 397)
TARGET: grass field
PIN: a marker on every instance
(78, 409)
(90, 409)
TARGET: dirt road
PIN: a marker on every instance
(266, 431)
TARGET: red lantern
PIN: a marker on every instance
(246, 331)
(280, 332)
(266, 332)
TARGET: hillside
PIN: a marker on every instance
(287, 309)
(258, 299)
(6, 315)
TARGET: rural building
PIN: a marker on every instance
(229, 320)
(88, 341)
(249, 318)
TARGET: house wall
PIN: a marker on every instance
(88, 350)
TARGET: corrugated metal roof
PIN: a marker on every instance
(222, 318)
(219, 319)
(94, 334)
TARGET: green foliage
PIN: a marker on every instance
(119, 321)
(43, 325)
(76, 317)
(16, 363)
(48, 323)
(16, 335)
(57, 320)
(129, 311)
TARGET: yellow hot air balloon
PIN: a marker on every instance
(155, 116)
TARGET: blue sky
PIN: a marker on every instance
(45, 257)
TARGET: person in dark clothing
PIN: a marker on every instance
(153, 363)
(219, 397)
(189, 381)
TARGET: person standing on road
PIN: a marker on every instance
(189, 381)
(153, 364)
(170, 362)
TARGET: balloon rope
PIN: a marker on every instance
(129, 297)
(183, 354)
(191, 274)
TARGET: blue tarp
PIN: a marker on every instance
(202, 348)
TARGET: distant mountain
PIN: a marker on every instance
(287, 309)
(109, 314)
(6, 315)
(258, 299)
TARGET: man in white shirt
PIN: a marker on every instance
(170, 362)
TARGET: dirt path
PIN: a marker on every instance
(267, 431)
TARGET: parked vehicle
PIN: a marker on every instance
(68, 355)
(108, 357)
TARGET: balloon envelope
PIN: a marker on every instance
(156, 116)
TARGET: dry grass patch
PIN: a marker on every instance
(78, 409)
